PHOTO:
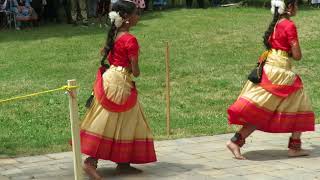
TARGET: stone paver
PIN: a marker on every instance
(200, 158)
(3, 178)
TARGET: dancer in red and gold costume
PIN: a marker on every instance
(278, 104)
(115, 127)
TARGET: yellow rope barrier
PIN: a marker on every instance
(65, 88)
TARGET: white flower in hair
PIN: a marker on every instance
(116, 18)
(279, 4)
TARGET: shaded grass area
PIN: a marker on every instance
(211, 53)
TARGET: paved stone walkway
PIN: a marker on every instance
(199, 158)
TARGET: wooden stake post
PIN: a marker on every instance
(75, 131)
(168, 89)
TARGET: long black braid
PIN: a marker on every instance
(273, 23)
(270, 30)
(109, 43)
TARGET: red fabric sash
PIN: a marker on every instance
(108, 104)
(280, 90)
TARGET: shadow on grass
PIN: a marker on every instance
(158, 169)
(273, 154)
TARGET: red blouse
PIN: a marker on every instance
(284, 36)
(124, 48)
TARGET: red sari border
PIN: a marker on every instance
(280, 90)
(108, 104)
(244, 112)
(135, 151)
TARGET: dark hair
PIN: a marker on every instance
(273, 23)
(124, 8)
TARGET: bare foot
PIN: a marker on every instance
(235, 149)
(127, 169)
(298, 153)
(91, 171)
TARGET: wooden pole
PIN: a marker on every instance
(168, 88)
(75, 131)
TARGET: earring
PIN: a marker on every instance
(289, 13)
(127, 22)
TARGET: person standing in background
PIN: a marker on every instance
(79, 12)
(189, 3)
(200, 3)
(140, 5)
(158, 3)
(51, 11)
(215, 3)
(66, 4)
(316, 3)
(92, 8)
(38, 6)
(103, 10)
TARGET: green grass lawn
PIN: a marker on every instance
(212, 51)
